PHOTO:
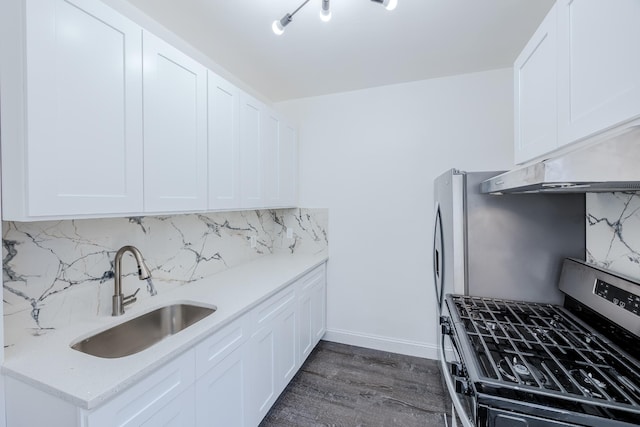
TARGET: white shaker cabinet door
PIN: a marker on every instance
(220, 393)
(312, 311)
(164, 397)
(271, 126)
(251, 152)
(83, 137)
(535, 81)
(224, 144)
(280, 161)
(599, 85)
(175, 129)
(288, 165)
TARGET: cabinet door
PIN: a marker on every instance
(288, 165)
(271, 357)
(180, 412)
(220, 368)
(251, 152)
(535, 80)
(175, 129)
(261, 359)
(148, 398)
(271, 127)
(599, 83)
(280, 161)
(312, 309)
(220, 393)
(84, 109)
(286, 350)
(224, 144)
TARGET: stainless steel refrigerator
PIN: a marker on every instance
(509, 246)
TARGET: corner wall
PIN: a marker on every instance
(371, 157)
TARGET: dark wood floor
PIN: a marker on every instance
(341, 385)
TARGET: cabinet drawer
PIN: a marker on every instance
(218, 346)
(139, 403)
(311, 278)
(273, 306)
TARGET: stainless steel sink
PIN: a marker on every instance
(143, 331)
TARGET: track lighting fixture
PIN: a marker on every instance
(325, 13)
(388, 4)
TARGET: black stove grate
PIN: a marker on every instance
(544, 348)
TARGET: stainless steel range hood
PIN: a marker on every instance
(607, 166)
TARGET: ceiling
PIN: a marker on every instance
(363, 45)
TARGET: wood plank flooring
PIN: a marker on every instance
(341, 385)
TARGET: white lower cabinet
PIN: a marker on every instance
(151, 401)
(272, 358)
(222, 378)
(180, 412)
(312, 309)
(229, 379)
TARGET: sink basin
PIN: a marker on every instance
(143, 331)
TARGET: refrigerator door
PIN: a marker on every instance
(448, 235)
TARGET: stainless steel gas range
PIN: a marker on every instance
(515, 364)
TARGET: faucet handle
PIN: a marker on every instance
(131, 298)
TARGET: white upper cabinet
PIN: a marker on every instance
(252, 114)
(224, 144)
(280, 161)
(101, 118)
(271, 128)
(175, 129)
(288, 165)
(71, 109)
(578, 76)
(535, 77)
(599, 84)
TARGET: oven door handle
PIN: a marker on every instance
(455, 399)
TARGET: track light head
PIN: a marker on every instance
(278, 25)
(388, 4)
(325, 13)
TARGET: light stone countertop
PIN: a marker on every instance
(48, 363)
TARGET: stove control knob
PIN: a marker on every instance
(445, 326)
(462, 386)
(457, 370)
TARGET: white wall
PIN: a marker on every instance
(371, 157)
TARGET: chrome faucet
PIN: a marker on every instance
(119, 300)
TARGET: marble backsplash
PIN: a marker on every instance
(613, 232)
(56, 272)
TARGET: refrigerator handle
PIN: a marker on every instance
(438, 258)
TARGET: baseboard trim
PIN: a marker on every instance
(376, 342)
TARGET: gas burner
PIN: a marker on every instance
(525, 374)
(474, 314)
(487, 325)
(520, 368)
(589, 384)
(590, 379)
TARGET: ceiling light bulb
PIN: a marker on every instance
(278, 25)
(325, 12)
(390, 4)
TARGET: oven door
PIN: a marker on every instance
(454, 373)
